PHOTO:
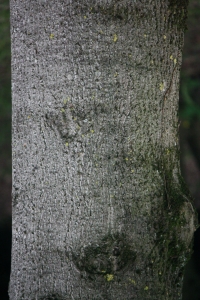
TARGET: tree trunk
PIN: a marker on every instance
(100, 210)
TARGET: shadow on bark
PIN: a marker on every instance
(5, 257)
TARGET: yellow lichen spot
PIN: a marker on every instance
(164, 37)
(132, 171)
(116, 74)
(92, 131)
(146, 288)
(66, 100)
(160, 273)
(161, 86)
(51, 36)
(115, 38)
(67, 144)
(171, 57)
(126, 158)
(175, 60)
(101, 31)
(168, 151)
(145, 35)
(103, 271)
(111, 196)
(109, 277)
(132, 281)
(85, 17)
(28, 117)
(82, 135)
(62, 110)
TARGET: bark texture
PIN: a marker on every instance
(100, 210)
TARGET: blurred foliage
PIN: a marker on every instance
(190, 75)
(5, 90)
(189, 106)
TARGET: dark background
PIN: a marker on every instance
(189, 140)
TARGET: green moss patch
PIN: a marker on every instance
(178, 13)
(110, 255)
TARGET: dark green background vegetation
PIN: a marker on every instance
(189, 132)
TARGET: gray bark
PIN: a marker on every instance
(100, 210)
